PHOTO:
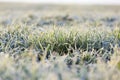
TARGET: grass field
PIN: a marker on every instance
(59, 42)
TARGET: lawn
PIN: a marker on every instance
(59, 42)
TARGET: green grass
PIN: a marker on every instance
(83, 53)
(81, 46)
(61, 40)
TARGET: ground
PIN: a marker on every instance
(59, 42)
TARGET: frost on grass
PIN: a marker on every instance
(59, 53)
(77, 44)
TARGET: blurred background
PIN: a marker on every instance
(107, 2)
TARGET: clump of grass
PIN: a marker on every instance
(60, 40)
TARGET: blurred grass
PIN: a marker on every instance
(59, 53)
(40, 43)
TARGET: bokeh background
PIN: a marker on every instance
(111, 2)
